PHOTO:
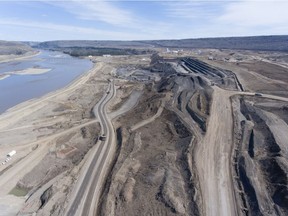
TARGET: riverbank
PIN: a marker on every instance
(53, 134)
(38, 76)
(9, 58)
(33, 127)
(30, 106)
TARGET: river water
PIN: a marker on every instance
(18, 88)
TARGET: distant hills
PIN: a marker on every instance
(13, 48)
(96, 47)
(261, 43)
(264, 43)
(91, 43)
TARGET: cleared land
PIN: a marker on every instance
(185, 135)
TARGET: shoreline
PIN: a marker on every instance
(38, 71)
(32, 128)
(37, 101)
(10, 58)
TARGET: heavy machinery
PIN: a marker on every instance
(102, 137)
(10, 154)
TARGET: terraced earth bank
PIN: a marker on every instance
(194, 136)
(205, 145)
(261, 160)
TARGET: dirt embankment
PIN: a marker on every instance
(180, 163)
(258, 72)
(51, 135)
(261, 157)
(68, 152)
(153, 173)
(174, 147)
(50, 184)
(171, 162)
(150, 175)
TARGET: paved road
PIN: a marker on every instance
(88, 193)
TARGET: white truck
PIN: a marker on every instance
(10, 154)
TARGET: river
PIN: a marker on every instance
(16, 88)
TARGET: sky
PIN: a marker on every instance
(43, 20)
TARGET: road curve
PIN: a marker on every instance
(87, 195)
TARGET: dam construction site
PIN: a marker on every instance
(189, 132)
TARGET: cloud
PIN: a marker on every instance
(97, 10)
(193, 10)
(114, 16)
(231, 18)
(119, 20)
(41, 31)
(256, 13)
(46, 25)
(66, 31)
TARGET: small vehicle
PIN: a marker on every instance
(102, 137)
(258, 94)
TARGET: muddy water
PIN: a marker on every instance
(18, 88)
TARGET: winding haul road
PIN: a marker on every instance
(212, 159)
(88, 189)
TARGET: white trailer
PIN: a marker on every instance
(10, 154)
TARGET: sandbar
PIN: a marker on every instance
(4, 76)
(30, 71)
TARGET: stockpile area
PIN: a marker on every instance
(223, 78)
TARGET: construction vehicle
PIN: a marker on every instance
(102, 137)
(10, 154)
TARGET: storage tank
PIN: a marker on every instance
(10, 154)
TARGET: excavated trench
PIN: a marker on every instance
(264, 152)
(249, 191)
(201, 121)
